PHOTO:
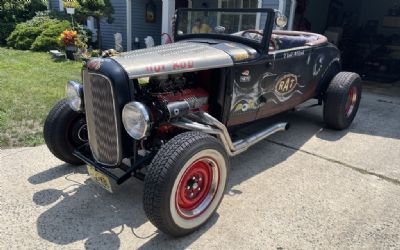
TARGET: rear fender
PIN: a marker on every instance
(332, 70)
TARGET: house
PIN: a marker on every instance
(130, 20)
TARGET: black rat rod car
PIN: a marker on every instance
(165, 114)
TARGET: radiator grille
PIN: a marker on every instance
(102, 119)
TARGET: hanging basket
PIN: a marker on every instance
(70, 11)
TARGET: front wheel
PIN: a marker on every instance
(185, 183)
(64, 131)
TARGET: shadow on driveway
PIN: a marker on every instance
(86, 212)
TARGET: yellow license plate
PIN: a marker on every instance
(100, 178)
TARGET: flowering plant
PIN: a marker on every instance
(68, 38)
(71, 4)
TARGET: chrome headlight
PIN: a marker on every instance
(75, 95)
(136, 120)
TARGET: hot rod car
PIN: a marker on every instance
(166, 114)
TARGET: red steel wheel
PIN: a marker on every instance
(351, 101)
(185, 183)
(197, 188)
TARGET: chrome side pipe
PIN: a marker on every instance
(204, 122)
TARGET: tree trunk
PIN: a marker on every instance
(98, 32)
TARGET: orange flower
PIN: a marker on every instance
(68, 38)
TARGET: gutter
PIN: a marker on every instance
(292, 14)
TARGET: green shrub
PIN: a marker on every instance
(5, 31)
(25, 34)
(84, 34)
(48, 38)
(13, 12)
(53, 14)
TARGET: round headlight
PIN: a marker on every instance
(136, 120)
(75, 95)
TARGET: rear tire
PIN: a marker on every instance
(342, 100)
(185, 183)
(64, 131)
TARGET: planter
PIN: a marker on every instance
(69, 51)
(70, 11)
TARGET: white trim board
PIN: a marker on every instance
(60, 5)
(128, 25)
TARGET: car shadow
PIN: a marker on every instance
(54, 173)
(87, 213)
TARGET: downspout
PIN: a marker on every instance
(128, 25)
(293, 6)
(258, 18)
(282, 8)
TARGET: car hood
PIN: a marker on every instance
(180, 57)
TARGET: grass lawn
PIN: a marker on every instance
(30, 84)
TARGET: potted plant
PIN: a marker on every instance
(69, 40)
(70, 6)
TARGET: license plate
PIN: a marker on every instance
(100, 178)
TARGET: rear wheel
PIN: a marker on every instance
(342, 100)
(64, 131)
(185, 183)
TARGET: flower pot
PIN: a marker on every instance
(70, 11)
(69, 51)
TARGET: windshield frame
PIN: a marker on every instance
(267, 31)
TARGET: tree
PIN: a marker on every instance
(96, 9)
(13, 12)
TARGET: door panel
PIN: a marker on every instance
(287, 84)
(246, 92)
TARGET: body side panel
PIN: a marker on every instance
(278, 83)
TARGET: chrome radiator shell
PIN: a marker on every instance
(103, 119)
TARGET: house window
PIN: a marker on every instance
(238, 4)
(238, 20)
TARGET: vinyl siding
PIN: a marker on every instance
(271, 4)
(140, 28)
(54, 4)
(118, 26)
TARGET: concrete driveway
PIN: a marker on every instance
(308, 188)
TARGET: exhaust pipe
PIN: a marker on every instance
(204, 122)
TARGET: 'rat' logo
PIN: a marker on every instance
(286, 84)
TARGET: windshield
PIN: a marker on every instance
(248, 24)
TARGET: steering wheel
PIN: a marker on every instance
(247, 33)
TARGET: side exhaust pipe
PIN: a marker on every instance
(204, 122)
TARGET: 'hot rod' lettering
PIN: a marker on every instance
(183, 65)
(155, 68)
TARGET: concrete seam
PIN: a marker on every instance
(360, 170)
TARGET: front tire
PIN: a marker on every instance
(185, 183)
(65, 130)
(342, 100)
